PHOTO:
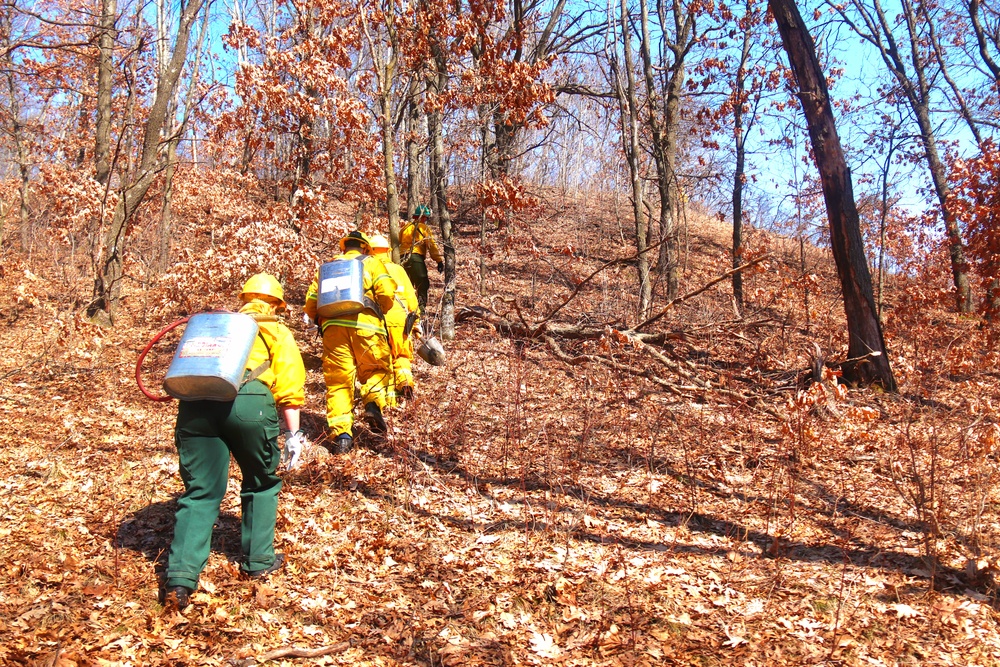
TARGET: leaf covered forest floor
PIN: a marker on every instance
(697, 503)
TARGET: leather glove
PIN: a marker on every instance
(295, 444)
(440, 267)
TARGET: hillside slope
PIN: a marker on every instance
(574, 500)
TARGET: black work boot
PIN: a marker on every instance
(177, 597)
(279, 562)
(343, 443)
(375, 418)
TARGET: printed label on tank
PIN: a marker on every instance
(204, 346)
(335, 284)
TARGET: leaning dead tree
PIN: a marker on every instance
(865, 342)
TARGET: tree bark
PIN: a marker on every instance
(305, 139)
(389, 171)
(437, 82)
(413, 126)
(486, 147)
(981, 40)
(629, 111)
(863, 326)
(677, 37)
(739, 139)
(105, 71)
(16, 130)
(174, 133)
(107, 282)
(385, 65)
(506, 131)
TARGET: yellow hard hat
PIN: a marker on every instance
(263, 285)
(378, 243)
(355, 236)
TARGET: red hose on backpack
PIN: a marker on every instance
(142, 355)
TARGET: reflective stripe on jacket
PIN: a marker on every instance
(378, 284)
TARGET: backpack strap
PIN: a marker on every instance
(370, 301)
(257, 372)
(416, 237)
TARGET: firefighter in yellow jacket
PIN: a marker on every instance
(399, 322)
(209, 432)
(355, 346)
(415, 242)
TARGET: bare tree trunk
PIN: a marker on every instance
(304, 136)
(413, 126)
(884, 215)
(437, 82)
(105, 72)
(671, 204)
(83, 120)
(983, 39)
(956, 247)
(389, 169)
(506, 131)
(250, 141)
(163, 29)
(107, 282)
(128, 142)
(664, 130)
(739, 177)
(629, 105)
(504, 135)
(176, 131)
(20, 146)
(486, 148)
(163, 247)
(16, 127)
(865, 341)
(303, 164)
(385, 74)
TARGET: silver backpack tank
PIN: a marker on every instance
(211, 357)
(342, 289)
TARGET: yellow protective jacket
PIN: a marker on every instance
(378, 284)
(406, 296)
(416, 238)
(406, 303)
(286, 376)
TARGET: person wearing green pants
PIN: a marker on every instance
(415, 242)
(208, 432)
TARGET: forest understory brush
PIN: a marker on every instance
(609, 506)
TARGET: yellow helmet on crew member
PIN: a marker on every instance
(356, 236)
(263, 286)
(378, 244)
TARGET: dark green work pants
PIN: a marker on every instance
(416, 269)
(207, 432)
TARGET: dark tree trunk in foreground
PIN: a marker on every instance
(863, 327)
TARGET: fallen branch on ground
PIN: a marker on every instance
(690, 295)
(294, 652)
(672, 388)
